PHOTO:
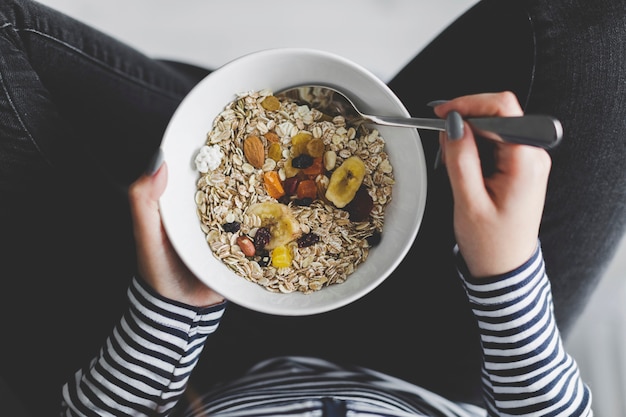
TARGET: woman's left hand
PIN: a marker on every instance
(158, 263)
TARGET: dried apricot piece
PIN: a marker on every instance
(272, 183)
(307, 189)
(316, 168)
(270, 103)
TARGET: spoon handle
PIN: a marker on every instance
(535, 130)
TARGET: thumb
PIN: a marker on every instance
(462, 161)
(144, 196)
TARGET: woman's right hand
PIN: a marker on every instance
(158, 263)
(496, 218)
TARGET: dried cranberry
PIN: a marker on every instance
(302, 161)
(231, 227)
(308, 239)
(261, 238)
(361, 205)
(290, 185)
(374, 239)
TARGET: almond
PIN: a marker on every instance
(246, 245)
(254, 151)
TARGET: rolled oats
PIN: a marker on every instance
(225, 193)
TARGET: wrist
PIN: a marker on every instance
(189, 292)
(497, 263)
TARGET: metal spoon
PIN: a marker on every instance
(536, 130)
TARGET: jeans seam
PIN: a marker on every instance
(531, 22)
(96, 61)
(17, 114)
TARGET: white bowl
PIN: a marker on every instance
(278, 69)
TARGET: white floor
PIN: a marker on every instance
(381, 35)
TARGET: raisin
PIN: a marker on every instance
(308, 239)
(302, 161)
(265, 259)
(374, 239)
(306, 201)
(262, 238)
(231, 227)
(285, 200)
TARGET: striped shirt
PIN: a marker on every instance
(145, 365)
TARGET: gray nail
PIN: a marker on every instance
(155, 163)
(436, 103)
(454, 125)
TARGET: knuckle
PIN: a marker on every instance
(508, 102)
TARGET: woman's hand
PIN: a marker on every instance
(158, 263)
(496, 218)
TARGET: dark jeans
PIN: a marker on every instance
(81, 115)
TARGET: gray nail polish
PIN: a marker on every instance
(436, 103)
(155, 163)
(454, 125)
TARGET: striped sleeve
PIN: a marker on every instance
(145, 364)
(526, 370)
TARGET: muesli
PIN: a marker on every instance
(289, 196)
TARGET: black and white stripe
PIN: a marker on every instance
(526, 368)
(146, 362)
(298, 386)
(145, 365)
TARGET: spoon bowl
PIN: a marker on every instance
(535, 130)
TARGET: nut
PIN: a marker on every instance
(254, 151)
(330, 159)
(246, 245)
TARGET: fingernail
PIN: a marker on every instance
(155, 163)
(436, 103)
(454, 125)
